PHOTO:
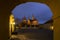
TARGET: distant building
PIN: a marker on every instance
(24, 20)
(28, 21)
(34, 21)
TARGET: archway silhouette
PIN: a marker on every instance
(52, 27)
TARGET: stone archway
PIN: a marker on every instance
(7, 6)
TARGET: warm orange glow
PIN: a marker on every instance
(35, 22)
(11, 24)
(51, 27)
(28, 22)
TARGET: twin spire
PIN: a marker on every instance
(33, 18)
(30, 21)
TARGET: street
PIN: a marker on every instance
(35, 34)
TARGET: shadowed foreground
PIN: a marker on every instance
(35, 34)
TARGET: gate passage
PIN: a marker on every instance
(31, 15)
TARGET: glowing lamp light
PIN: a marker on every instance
(51, 27)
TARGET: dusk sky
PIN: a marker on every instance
(40, 11)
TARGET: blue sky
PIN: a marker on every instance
(40, 11)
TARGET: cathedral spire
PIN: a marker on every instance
(33, 17)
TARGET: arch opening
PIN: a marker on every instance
(26, 21)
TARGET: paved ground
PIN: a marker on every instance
(41, 34)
